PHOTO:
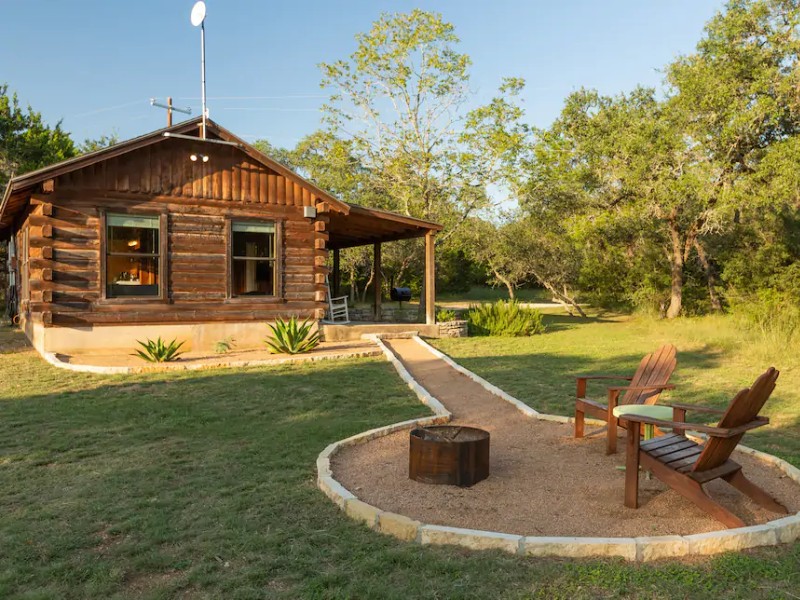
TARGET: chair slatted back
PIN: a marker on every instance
(655, 369)
(742, 409)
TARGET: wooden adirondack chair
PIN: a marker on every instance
(646, 385)
(685, 465)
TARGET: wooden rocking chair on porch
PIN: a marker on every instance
(685, 465)
(646, 385)
(337, 307)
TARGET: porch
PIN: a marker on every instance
(363, 226)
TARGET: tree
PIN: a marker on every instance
(739, 93)
(93, 145)
(623, 159)
(399, 102)
(26, 142)
(520, 250)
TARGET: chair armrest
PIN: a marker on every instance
(695, 408)
(585, 377)
(722, 432)
(640, 388)
(339, 298)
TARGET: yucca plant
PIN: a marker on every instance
(292, 337)
(159, 351)
(504, 319)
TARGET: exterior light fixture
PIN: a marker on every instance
(195, 157)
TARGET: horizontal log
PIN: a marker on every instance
(178, 226)
(197, 247)
(64, 286)
(86, 296)
(73, 266)
(196, 268)
(72, 244)
(75, 255)
(76, 318)
(184, 297)
(175, 204)
(179, 277)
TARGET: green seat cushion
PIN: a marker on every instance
(663, 413)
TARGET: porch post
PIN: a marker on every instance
(430, 279)
(378, 284)
(336, 273)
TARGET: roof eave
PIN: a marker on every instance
(394, 216)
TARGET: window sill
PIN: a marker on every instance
(134, 300)
(255, 300)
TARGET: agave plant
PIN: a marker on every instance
(292, 337)
(225, 345)
(159, 351)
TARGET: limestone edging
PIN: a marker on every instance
(641, 549)
(53, 359)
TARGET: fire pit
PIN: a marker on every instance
(449, 454)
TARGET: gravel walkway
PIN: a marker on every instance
(543, 482)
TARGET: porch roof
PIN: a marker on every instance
(363, 225)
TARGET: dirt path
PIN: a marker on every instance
(543, 482)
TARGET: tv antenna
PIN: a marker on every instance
(170, 108)
(198, 18)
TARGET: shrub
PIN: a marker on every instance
(224, 346)
(443, 315)
(774, 315)
(291, 337)
(505, 319)
(159, 351)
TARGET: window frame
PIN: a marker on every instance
(163, 263)
(277, 295)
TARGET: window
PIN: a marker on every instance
(132, 256)
(253, 263)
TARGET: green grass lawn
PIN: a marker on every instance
(201, 484)
(717, 357)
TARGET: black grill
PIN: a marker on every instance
(400, 294)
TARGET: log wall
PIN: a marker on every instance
(198, 198)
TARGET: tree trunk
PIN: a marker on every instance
(505, 282)
(676, 263)
(353, 286)
(711, 278)
(562, 298)
(369, 283)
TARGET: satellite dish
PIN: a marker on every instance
(198, 13)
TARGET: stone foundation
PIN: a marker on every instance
(104, 339)
(389, 314)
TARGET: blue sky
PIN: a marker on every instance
(96, 63)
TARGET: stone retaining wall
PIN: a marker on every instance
(642, 549)
(453, 329)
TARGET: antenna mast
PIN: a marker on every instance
(170, 108)
(203, 75)
(198, 18)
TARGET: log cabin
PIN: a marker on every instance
(177, 236)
